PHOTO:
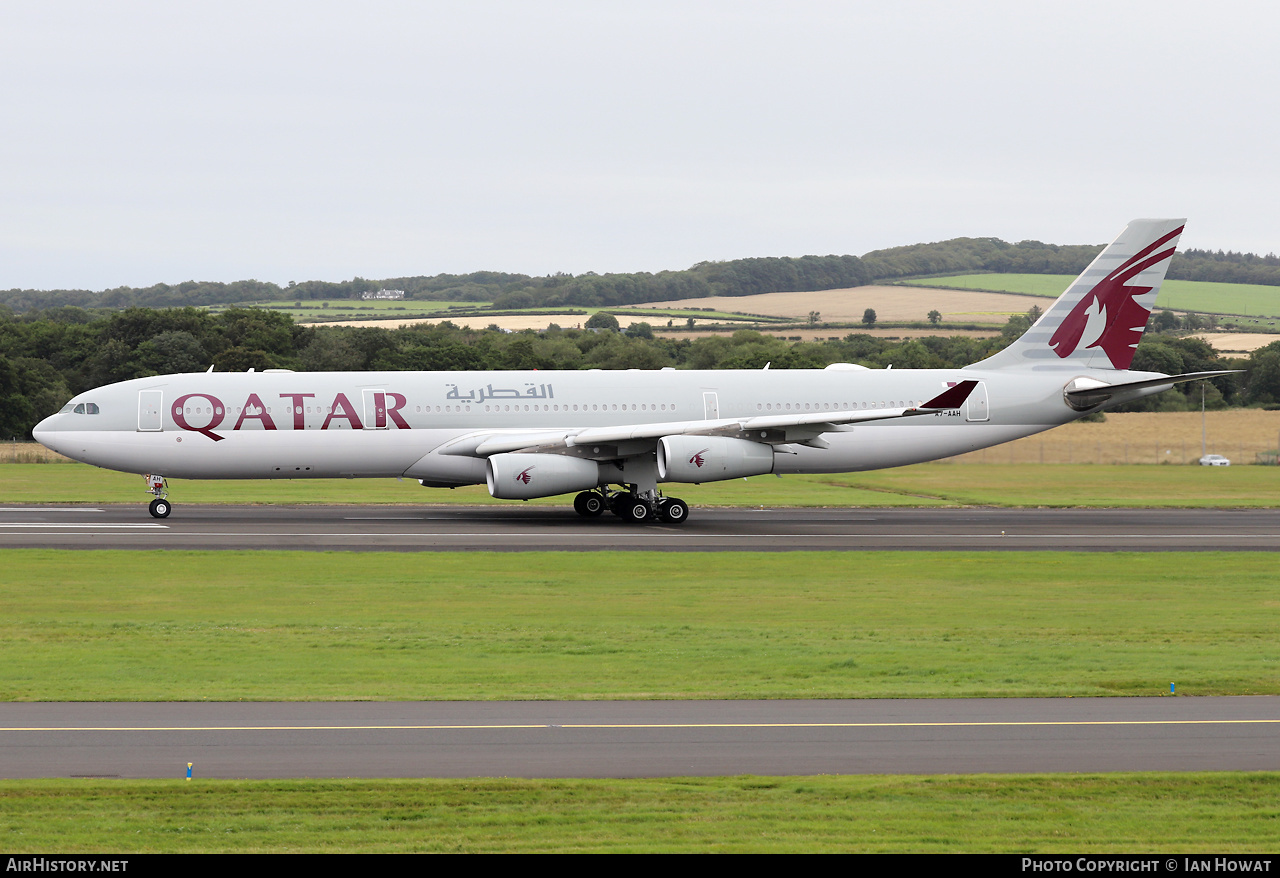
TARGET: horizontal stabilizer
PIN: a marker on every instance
(1085, 393)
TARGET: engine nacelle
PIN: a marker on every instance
(711, 458)
(525, 476)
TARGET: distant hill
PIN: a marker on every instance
(738, 277)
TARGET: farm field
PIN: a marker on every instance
(1237, 342)
(795, 333)
(1144, 438)
(312, 310)
(1099, 813)
(895, 304)
(571, 319)
(287, 626)
(512, 322)
(1255, 300)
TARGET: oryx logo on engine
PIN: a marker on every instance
(523, 476)
(698, 460)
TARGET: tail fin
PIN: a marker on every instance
(1097, 322)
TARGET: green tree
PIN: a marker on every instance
(171, 353)
(869, 317)
(238, 359)
(1264, 376)
(602, 320)
(935, 317)
(329, 351)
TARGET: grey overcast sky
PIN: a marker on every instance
(284, 140)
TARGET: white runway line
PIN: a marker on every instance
(47, 509)
(82, 526)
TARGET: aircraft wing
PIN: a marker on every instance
(605, 442)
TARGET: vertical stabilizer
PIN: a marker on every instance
(1097, 322)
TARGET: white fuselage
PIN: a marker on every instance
(280, 424)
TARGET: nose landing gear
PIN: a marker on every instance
(158, 485)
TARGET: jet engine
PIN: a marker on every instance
(711, 458)
(525, 476)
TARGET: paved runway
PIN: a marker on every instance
(639, 739)
(516, 528)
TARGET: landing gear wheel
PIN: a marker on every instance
(160, 508)
(588, 504)
(636, 511)
(674, 511)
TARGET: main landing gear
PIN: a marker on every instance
(631, 506)
(160, 507)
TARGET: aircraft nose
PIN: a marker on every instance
(44, 432)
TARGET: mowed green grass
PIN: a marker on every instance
(1256, 300)
(268, 625)
(938, 484)
(1081, 814)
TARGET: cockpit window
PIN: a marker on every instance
(86, 408)
(80, 409)
(66, 408)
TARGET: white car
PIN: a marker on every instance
(1214, 460)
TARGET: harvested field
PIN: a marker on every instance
(29, 452)
(513, 322)
(1237, 342)
(891, 304)
(825, 334)
(1144, 437)
(895, 304)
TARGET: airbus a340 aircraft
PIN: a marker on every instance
(615, 436)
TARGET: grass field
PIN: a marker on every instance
(1125, 813)
(1254, 300)
(940, 484)
(191, 626)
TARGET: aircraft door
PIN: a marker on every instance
(710, 405)
(375, 409)
(976, 407)
(150, 411)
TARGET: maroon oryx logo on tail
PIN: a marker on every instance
(698, 460)
(1109, 316)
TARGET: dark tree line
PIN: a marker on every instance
(738, 277)
(960, 255)
(741, 277)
